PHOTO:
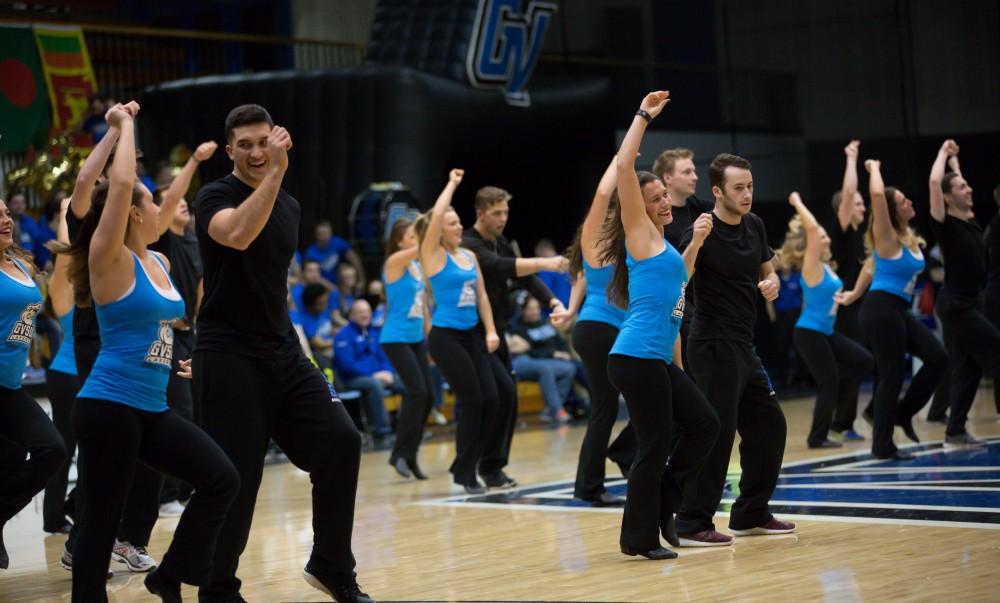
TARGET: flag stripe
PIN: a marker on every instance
(50, 43)
(63, 60)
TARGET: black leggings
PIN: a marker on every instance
(410, 362)
(894, 331)
(465, 363)
(656, 393)
(27, 429)
(180, 400)
(593, 341)
(837, 364)
(61, 389)
(114, 437)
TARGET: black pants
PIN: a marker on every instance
(27, 429)
(894, 331)
(248, 401)
(837, 364)
(496, 448)
(593, 341)
(847, 324)
(993, 314)
(465, 363)
(731, 376)
(180, 400)
(113, 438)
(410, 362)
(61, 389)
(657, 393)
(973, 345)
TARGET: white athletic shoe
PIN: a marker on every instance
(171, 509)
(134, 557)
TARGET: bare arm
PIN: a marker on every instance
(769, 284)
(238, 227)
(812, 266)
(91, 171)
(849, 186)
(485, 311)
(642, 238)
(678, 360)
(561, 317)
(937, 175)
(886, 241)
(953, 162)
(60, 290)
(864, 281)
(175, 192)
(430, 247)
(529, 266)
(594, 222)
(702, 228)
(396, 263)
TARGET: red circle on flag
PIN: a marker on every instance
(17, 83)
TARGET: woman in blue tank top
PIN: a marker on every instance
(406, 321)
(645, 361)
(23, 423)
(593, 335)
(836, 362)
(456, 346)
(886, 318)
(121, 415)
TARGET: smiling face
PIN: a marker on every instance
(904, 208)
(736, 193)
(6, 227)
(959, 194)
(248, 150)
(148, 212)
(451, 232)
(182, 215)
(409, 238)
(858, 209)
(657, 202)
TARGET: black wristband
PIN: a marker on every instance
(645, 115)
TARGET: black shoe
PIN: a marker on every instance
(341, 592)
(907, 425)
(607, 499)
(827, 444)
(474, 488)
(659, 553)
(499, 481)
(4, 558)
(166, 589)
(897, 455)
(63, 529)
(668, 528)
(415, 469)
(400, 466)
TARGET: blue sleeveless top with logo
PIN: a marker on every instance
(596, 306)
(897, 276)
(819, 311)
(65, 360)
(20, 302)
(454, 291)
(404, 320)
(137, 341)
(655, 308)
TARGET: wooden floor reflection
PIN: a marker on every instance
(410, 552)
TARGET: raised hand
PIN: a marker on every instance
(851, 150)
(872, 164)
(702, 228)
(205, 150)
(117, 115)
(279, 142)
(655, 102)
(455, 176)
(795, 199)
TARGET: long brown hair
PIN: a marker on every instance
(907, 237)
(574, 253)
(396, 235)
(614, 252)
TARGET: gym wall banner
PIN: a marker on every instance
(24, 108)
(68, 73)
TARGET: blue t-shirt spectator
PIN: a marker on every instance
(314, 325)
(560, 286)
(790, 294)
(43, 235)
(329, 256)
(357, 352)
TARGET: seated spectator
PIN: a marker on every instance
(540, 354)
(93, 122)
(348, 288)
(332, 252)
(44, 231)
(25, 227)
(363, 366)
(557, 282)
(376, 299)
(311, 276)
(315, 323)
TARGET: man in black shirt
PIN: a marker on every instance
(675, 167)
(501, 267)
(973, 342)
(729, 270)
(250, 373)
(993, 280)
(847, 245)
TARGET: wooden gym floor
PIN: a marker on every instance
(919, 531)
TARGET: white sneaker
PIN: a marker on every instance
(171, 509)
(439, 417)
(134, 557)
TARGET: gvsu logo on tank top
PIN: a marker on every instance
(678, 311)
(24, 329)
(468, 296)
(417, 307)
(506, 44)
(161, 351)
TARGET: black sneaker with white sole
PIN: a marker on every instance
(66, 562)
(342, 592)
(499, 481)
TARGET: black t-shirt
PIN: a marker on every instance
(86, 331)
(185, 267)
(848, 250)
(964, 253)
(725, 280)
(244, 310)
(993, 248)
(684, 217)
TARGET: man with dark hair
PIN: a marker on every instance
(993, 281)
(972, 341)
(254, 381)
(501, 267)
(728, 271)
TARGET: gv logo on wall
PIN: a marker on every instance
(506, 44)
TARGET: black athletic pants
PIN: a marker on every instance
(114, 437)
(847, 324)
(465, 364)
(496, 448)
(248, 401)
(593, 341)
(179, 400)
(410, 362)
(837, 364)
(894, 331)
(27, 429)
(993, 314)
(731, 376)
(656, 393)
(973, 345)
(61, 389)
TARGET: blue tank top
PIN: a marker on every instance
(819, 311)
(897, 276)
(65, 360)
(596, 306)
(137, 340)
(454, 291)
(20, 302)
(655, 307)
(404, 320)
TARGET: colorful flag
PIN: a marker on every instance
(24, 107)
(68, 73)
